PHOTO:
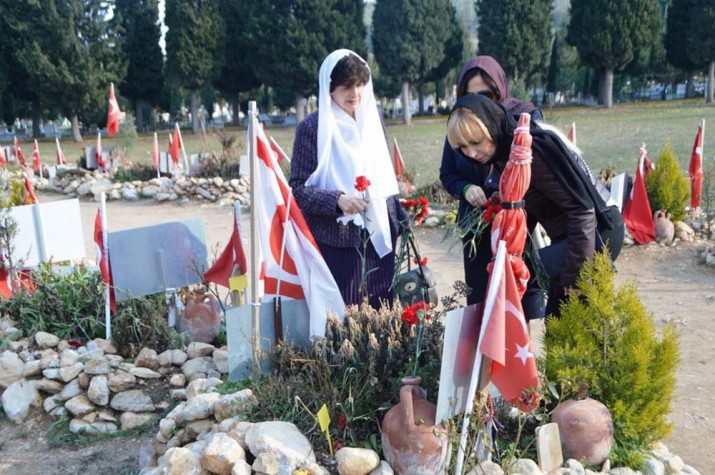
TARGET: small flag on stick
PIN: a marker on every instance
(696, 168)
(36, 161)
(19, 156)
(112, 113)
(572, 133)
(61, 160)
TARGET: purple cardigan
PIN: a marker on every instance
(320, 207)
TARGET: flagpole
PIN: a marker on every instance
(155, 149)
(183, 149)
(476, 375)
(105, 245)
(253, 177)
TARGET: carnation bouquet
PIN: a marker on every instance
(474, 224)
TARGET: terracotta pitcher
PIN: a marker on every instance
(411, 442)
(200, 317)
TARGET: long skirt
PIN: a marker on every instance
(345, 263)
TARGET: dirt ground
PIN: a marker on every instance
(671, 282)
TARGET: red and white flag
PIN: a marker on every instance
(155, 157)
(696, 169)
(3, 158)
(572, 133)
(60, 156)
(175, 145)
(105, 267)
(19, 156)
(231, 262)
(112, 113)
(505, 340)
(280, 154)
(637, 214)
(399, 164)
(36, 160)
(28, 192)
(293, 265)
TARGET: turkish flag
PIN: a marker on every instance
(637, 214)
(3, 158)
(36, 161)
(280, 154)
(28, 192)
(293, 265)
(399, 164)
(506, 339)
(61, 160)
(155, 152)
(696, 170)
(231, 262)
(18, 152)
(174, 146)
(572, 133)
(105, 266)
(112, 113)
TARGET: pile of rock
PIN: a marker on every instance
(92, 385)
(76, 183)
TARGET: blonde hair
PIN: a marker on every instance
(463, 126)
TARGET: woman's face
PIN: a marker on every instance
(476, 84)
(480, 148)
(348, 97)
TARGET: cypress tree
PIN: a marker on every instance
(192, 46)
(517, 33)
(297, 35)
(409, 38)
(145, 62)
(607, 33)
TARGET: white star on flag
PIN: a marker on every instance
(523, 353)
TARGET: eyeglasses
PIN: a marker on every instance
(489, 93)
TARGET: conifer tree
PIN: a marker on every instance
(192, 47)
(607, 34)
(517, 33)
(409, 38)
(296, 36)
(607, 339)
(145, 63)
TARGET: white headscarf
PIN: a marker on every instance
(348, 148)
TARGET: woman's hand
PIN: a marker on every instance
(351, 204)
(475, 196)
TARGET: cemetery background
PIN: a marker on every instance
(671, 282)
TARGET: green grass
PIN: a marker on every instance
(606, 136)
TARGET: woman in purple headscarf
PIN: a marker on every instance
(470, 182)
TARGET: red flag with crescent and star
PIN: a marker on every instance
(112, 113)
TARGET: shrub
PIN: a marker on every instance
(607, 339)
(71, 306)
(355, 371)
(667, 186)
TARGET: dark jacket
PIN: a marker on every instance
(320, 207)
(560, 196)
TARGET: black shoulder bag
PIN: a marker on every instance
(414, 285)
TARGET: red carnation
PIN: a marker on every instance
(361, 183)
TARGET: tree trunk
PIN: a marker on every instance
(300, 104)
(76, 133)
(195, 112)
(406, 115)
(689, 86)
(605, 87)
(421, 99)
(711, 82)
(139, 111)
(235, 104)
(36, 118)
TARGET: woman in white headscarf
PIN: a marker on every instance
(334, 146)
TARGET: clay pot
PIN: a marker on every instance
(664, 228)
(200, 317)
(411, 442)
(586, 430)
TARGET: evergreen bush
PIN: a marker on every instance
(667, 186)
(607, 339)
